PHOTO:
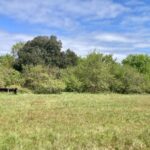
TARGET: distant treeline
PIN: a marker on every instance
(40, 66)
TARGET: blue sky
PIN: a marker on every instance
(119, 27)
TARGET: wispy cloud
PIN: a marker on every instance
(60, 13)
(8, 39)
(84, 44)
(116, 27)
(108, 37)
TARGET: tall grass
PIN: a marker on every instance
(74, 122)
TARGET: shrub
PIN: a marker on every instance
(9, 77)
(147, 83)
(73, 84)
(7, 61)
(91, 75)
(127, 80)
(44, 80)
(53, 86)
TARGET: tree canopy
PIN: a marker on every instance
(40, 66)
(44, 50)
(140, 62)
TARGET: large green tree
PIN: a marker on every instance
(44, 50)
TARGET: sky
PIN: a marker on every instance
(118, 27)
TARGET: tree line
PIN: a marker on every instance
(40, 66)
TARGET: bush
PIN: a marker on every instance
(127, 80)
(7, 61)
(9, 77)
(91, 75)
(94, 73)
(147, 83)
(73, 84)
(43, 80)
(53, 86)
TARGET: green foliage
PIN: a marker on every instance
(7, 61)
(127, 80)
(52, 86)
(101, 73)
(73, 84)
(69, 58)
(44, 68)
(16, 48)
(94, 73)
(9, 77)
(44, 50)
(2, 82)
(91, 74)
(40, 79)
(140, 62)
(147, 83)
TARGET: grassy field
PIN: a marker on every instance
(74, 121)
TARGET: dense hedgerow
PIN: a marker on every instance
(40, 66)
(95, 74)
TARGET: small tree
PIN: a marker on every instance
(16, 48)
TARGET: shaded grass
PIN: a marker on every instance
(74, 121)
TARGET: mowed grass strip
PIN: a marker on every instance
(74, 121)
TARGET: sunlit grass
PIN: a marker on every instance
(74, 121)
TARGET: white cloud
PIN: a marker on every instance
(109, 37)
(134, 2)
(8, 39)
(119, 57)
(142, 45)
(138, 15)
(60, 13)
(136, 20)
(125, 30)
(84, 44)
(81, 45)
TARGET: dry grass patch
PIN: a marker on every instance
(74, 121)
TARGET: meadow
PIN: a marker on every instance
(71, 121)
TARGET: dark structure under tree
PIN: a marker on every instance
(14, 90)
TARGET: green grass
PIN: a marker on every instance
(74, 121)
